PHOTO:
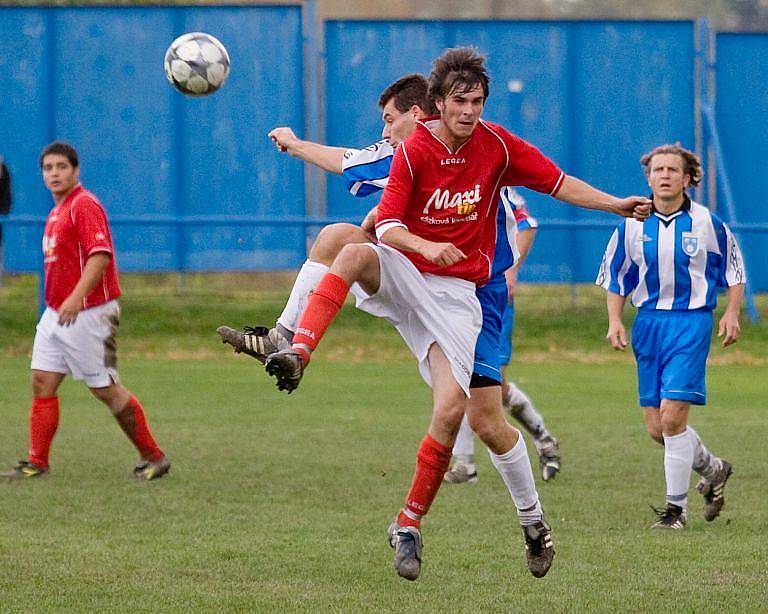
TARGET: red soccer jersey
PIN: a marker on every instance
(445, 196)
(76, 229)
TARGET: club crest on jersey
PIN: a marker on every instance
(690, 243)
(464, 202)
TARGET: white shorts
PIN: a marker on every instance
(426, 309)
(85, 349)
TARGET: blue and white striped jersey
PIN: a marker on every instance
(674, 262)
(366, 171)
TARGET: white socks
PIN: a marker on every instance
(521, 407)
(309, 276)
(678, 461)
(705, 463)
(465, 441)
(515, 469)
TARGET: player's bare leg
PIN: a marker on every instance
(434, 456)
(43, 423)
(355, 264)
(130, 416)
(714, 471)
(510, 457)
(261, 341)
(521, 408)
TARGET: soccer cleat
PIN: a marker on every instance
(407, 544)
(549, 457)
(256, 341)
(24, 470)
(287, 368)
(713, 491)
(670, 517)
(460, 473)
(539, 551)
(147, 470)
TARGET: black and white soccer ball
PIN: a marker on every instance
(197, 64)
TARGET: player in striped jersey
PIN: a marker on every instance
(673, 264)
(515, 401)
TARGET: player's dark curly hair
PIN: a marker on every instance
(408, 91)
(458, 70)
(691, 162)
(62, 148)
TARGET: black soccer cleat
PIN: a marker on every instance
(670, 517)
(287, 368)
(256, 341)
(539, 550)
(549, 457)
(714, 491)
(24, 470)
(147, 470)
(408, 545)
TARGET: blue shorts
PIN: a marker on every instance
(507, 329)
(493, 298)
(671, 348)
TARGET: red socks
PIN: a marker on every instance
(433, 461)
(43, 422)
(134, 424)
(323, 305)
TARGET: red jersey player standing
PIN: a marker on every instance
(437, 230)
(76, 333)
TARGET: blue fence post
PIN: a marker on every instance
(313, 93)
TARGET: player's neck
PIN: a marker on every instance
(60, 197)
(451, 140)
(665, 206)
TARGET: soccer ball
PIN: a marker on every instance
(196, 64)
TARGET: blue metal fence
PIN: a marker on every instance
(194, 184)
(94, 76)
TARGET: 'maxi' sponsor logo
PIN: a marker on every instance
(464, 202)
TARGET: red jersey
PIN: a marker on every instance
(452, 197)
(76, 229)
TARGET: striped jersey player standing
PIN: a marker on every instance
(76, 333)
(673, 265)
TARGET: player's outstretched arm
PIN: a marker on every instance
(442, 254)
(323, 156)
(617, 335)
(729, 323)
(579, 193)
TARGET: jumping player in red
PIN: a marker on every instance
(437, 230)
(76, 333)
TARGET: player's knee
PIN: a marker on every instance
(655, 433)
(332, 239)
(354, 258)
(42, 385)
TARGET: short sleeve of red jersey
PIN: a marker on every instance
(530, 168)
(90, 221)
(392, 208)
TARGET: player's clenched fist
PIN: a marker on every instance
(284, 139)
(442, 254)
(637, 207)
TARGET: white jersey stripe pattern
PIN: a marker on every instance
(674, 262)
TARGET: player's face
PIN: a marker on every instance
(460, 112)
(59, 175)
(398, 125)
(667, 177)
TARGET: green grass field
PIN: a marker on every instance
(280, 503)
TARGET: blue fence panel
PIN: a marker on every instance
(742, 114)
(594, 96)
(94, 76)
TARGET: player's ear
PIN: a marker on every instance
(417, 112)
(439, 105)
(686, 180)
